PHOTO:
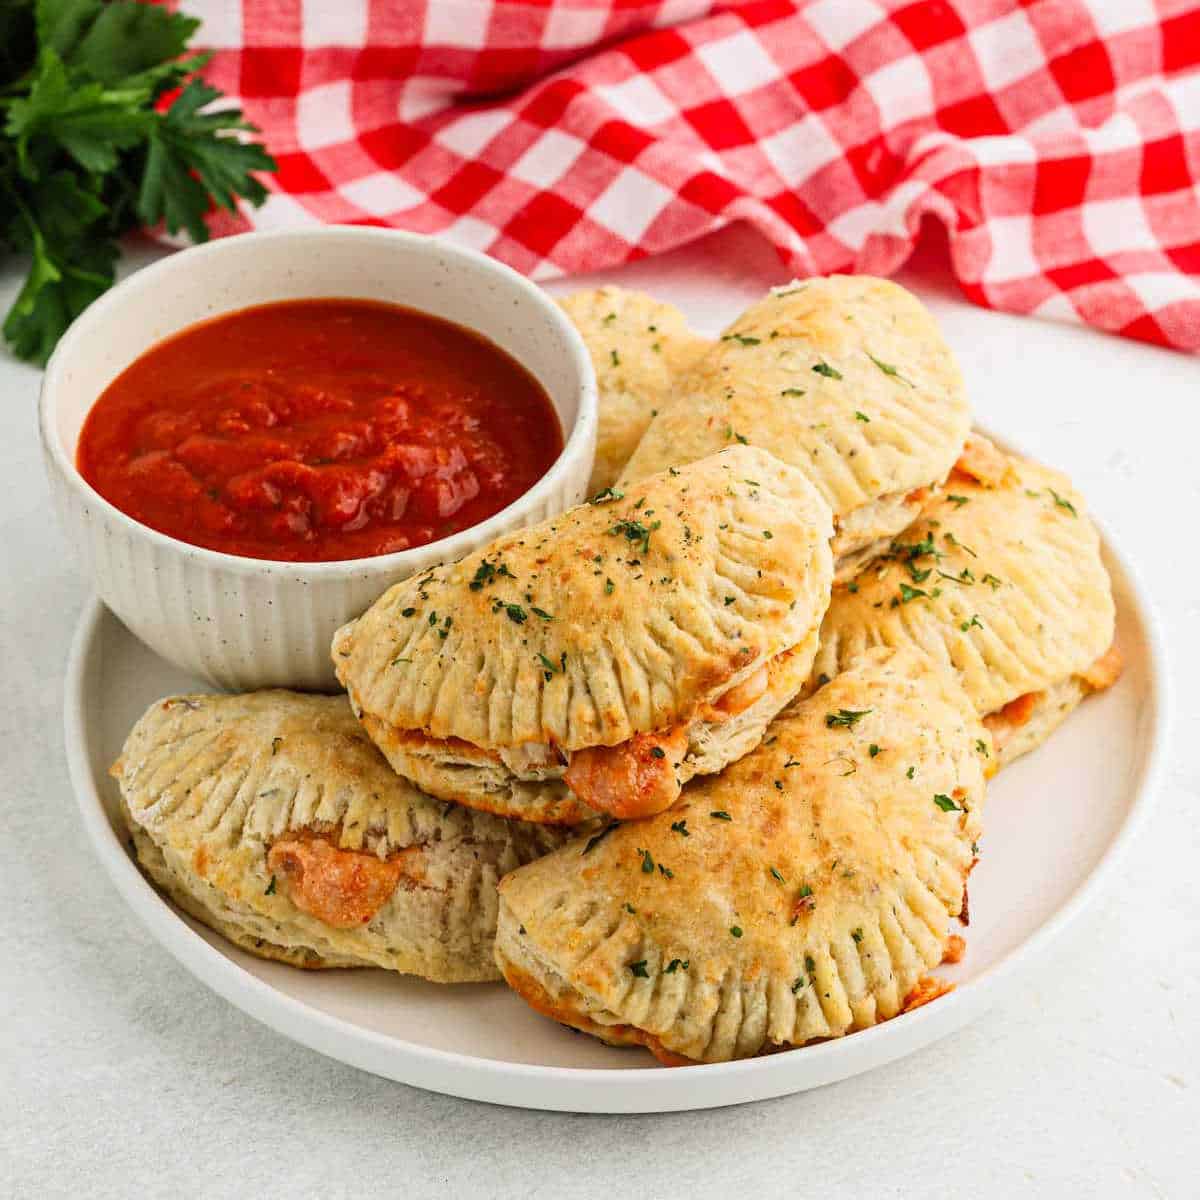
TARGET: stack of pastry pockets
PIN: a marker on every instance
(271, 818)
(639, 346)
(598, 660)
(800, 895)
(1000, 580)
(846, 378)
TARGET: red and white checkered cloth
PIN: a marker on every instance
(1057, 141)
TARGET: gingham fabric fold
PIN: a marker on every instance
(1058, 142)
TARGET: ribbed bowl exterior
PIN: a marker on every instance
(254, 627)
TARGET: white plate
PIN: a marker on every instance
(1055, 824)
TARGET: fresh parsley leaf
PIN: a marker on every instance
(87, 151)
(945, 803)
(1062, 502)
(888, 369)
(196, 158)
(845, 718)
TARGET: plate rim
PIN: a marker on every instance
(649, 1089)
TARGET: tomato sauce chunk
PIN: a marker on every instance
(317, 430)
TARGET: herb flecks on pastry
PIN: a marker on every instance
(846, 378)
(271, 818)
(639, 347)
(800, 895)
(1001, 580)
(597, 661)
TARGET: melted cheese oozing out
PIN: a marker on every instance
(634, 779)
(637, 778)
(341, 888)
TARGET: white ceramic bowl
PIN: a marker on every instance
(246, 623)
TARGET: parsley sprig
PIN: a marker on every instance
(87, 151)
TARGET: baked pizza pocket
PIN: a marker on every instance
(272, 819)
(800, 895)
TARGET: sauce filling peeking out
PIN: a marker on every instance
(317, 430)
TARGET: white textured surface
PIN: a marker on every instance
(121, 1076)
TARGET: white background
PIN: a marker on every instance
(121, 1076)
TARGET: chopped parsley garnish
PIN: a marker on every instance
(276, 742)
(888, 369)
(959, 501)
(792, 392)
(630, 909)
(657, 752)
(857, 935)
(736, 930)
(729, 600)
(981, 746)
(270, 887)
(516, 614)
(945, 803)
(680, 827)
(540, 612)
(609, 586)
(675, 964)
(407, 612)
(792, 762)
(910, 772)
(992, 581)
(776, 875)
(741, 339)
(973, 623)
(599, 837)
(873, 750)
(911, 593)
(964, 577)
(647, 862)
(768, 534)
(845, 718)
(433, 618)
(639, 969)
(615, 357)
(732, 434)
(797, 984)
(1061, 502)
(666, 871)
(861, 416)
(612, 316)
(823, 368)
(720, 814)
(551, 668)
(606, 496)
(635, 531)
(961, 545)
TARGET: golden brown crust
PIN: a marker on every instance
(799, 895)
(612, 619)
(846, 378)
(1001, 581)
(639, 348)
(273, 819)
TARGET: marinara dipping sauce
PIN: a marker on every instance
(315, 430)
